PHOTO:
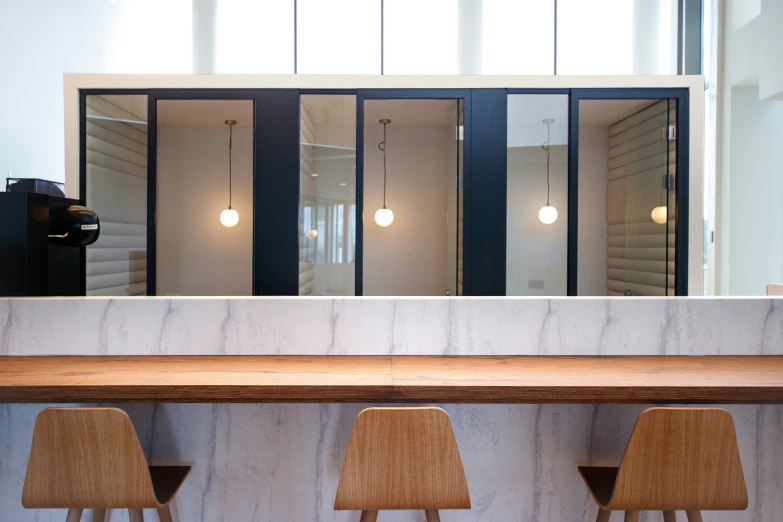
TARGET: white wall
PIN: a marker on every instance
(593, 175)
(196, 254)
(536, 253)
(42, 39)
(409, 256)
(756, 193)
(746, 128)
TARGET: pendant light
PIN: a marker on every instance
(547, 214)
(229, 217)
(384, 216)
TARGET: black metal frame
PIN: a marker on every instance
(485, 196)
(411, 94)
(681, 94)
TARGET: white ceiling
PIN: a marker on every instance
(410, 112)
(609, 112)
(205, 113)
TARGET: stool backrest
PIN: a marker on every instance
(681, 458)
(402, 458)
(86, 458)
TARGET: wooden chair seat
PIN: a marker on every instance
(677, 459)
(402, 458)
(91, 458)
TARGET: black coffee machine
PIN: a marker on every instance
(42, 240)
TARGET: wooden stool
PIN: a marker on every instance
(402, 458)
(91, 458)
(676, 459)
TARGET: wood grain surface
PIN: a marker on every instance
(91, 458)
(402, 458)
(677, 459)
(449, 379)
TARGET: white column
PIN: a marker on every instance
(204, 40)
(469, 33)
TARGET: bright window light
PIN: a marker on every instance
(420, 37)
(518, 37)
(339, 37)
(254, 37)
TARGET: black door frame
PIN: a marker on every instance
(682, 140)
(363, 95)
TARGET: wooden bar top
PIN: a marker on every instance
(449, 379)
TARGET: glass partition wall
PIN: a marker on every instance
(327, 195)
(413, 197)
(115, 175)
(204, 192)
(540, 192)
(627, 197)
(537, 209)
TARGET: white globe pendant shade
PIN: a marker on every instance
(384, 217)
(312, 233)
(229, 217)
(547, 215)
(659, 214)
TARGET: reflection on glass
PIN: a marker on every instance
(327, 198)
(627, 154)
(419, 252)
(537, 216)
(116, 146)
(204, 167)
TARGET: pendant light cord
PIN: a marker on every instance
(546, 147)
(230, 147)
(382, 146)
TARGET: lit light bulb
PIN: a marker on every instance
(659, 214)
(384, 217)
(229, 217)
(312, 233)
(547, 215)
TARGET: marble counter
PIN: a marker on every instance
(281, 462)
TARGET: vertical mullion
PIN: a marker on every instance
(573, 195)
(152, 160)
(359, 218)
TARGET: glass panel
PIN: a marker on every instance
(420, 37)
(415, 253)
(116, 145)
(327, 197)
(627, 155)
(511, 25)
(204, 211)
(339, 37)
(537, 226)
(242, 27)
(616, 37)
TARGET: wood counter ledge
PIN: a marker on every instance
(754, 379)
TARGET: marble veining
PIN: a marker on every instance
(281, 462)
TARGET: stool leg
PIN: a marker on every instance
(694, 515)
(74, 515)
(432, 515)
(369, 516)
(603, 515)
(669, 516)
(98, 515)
(136, 515)
(164, 514)
(631, 516)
